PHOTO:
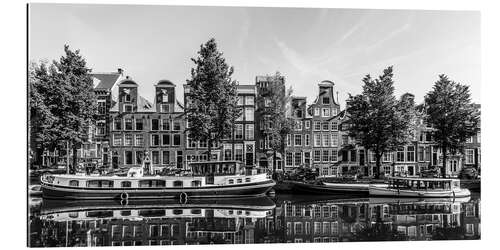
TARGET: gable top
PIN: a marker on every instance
(105, 81)
(165, 83)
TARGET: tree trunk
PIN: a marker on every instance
(274, 162)
(443, 168)
(75, 158)
(377, 165)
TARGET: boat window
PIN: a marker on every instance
(178, 184)
(196, 183)
(158, 183)
(247, 179)
(106, 183)
(239, 181)
(73, 215)
(231, 181)
(73, 183)
(178, 211)
(152, 213)
(152, 183)
(93, 183)
(100, 214)
(195, 211)
(126, 184)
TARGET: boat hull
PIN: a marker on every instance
(330, 189)
(50, 191)
(386, 191)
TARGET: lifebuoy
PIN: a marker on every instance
(183, 197)
(124, 196)
(124, 202)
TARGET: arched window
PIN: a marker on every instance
(178, 184)
(73, 183)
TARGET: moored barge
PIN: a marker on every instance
(420, 187)
(214, 179)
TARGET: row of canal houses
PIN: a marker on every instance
(132, 130)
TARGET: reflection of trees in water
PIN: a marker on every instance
(450, 233)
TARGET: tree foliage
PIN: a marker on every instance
(62, 101)
(212, 103)
(452, 115)
(378, 121)
(277, 113)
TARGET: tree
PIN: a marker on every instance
(452, 115)
(280, 123)
(63, 103)
(378, 121)
(212, 102)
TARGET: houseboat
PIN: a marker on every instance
(324, 188)
(420, 187)
(204, 180)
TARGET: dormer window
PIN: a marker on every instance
(128, 107)
(126, 95)
(164, 95)
(326, 100)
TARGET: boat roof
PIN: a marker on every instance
(423, 179)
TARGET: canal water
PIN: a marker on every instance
(282, 219)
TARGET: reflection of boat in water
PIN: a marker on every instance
(114, 209)
(207, 179)
(389, 200)
(420, 187)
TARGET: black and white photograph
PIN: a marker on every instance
(205, 125)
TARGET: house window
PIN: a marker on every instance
(249, 130)
(335, 139)
(177, 126)
(238, 152)
(317, 155)
(128, 140)
(288, 140)
(307, 124)
(317, 140)
(128, 157)
(165, 139)
(156, 157)
(139, 155)
(298, 158)
(165, 124)
(326, 156)
(335, 126)
(298, 125)
(297, 140)
(334, 156)
(164, 108)
(410, 153)
(400, 155)
(128, 107)
(469, 156)
(238, 135)
(288, 159)
(240, 100)
(118, 124)
(101, 128)
(155, 124)
(155, 140)
(249, 100)
(177, 139)
(128, 124)
(316, 111)
(326, 140)
(326, 112)
(326, 126)
(138, 124)
(117, 140)
(267, 102)
(249, 112)
(101, 107)
(139, 140)
(317, 125)
(165, 157)
(307, 140)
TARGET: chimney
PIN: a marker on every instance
(120, 71)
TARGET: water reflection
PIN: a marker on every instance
(256, 220)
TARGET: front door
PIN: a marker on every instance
(249, 159)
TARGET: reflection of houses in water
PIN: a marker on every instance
(471, 219)
(323, 221)
(147, 227)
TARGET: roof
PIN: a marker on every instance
(105, 80)
(165, 82)
(143, 105)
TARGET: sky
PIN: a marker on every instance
(306, 45)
